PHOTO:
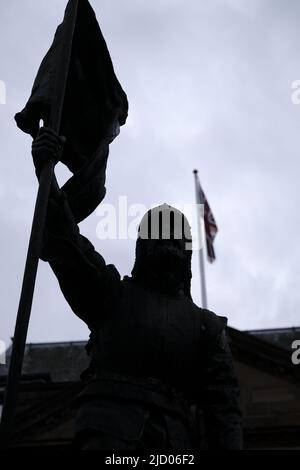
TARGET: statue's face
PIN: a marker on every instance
(163, 243)
(165, 260)
(165, 249)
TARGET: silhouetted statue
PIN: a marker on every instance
(161, 374)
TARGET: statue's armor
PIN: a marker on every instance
(149, 334)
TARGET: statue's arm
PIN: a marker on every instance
(220, 397)
(84, 278)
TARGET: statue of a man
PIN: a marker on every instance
(161, 375)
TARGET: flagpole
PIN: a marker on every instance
(36, 237)
(201, 241)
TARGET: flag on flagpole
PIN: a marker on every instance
(94, 106)
(210, 225)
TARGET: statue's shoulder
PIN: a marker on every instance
(210, 323)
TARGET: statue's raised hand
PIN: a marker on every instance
(46, 146)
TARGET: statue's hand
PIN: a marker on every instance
(47, 146)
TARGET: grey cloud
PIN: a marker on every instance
(209, 86)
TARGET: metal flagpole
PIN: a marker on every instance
(201, 240)
(46, 179)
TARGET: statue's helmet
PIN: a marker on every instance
(164, 243)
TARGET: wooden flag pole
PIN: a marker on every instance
(201, 242)
(36, 236)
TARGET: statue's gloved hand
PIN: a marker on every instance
(46, 146)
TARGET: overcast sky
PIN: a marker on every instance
(209, 87)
